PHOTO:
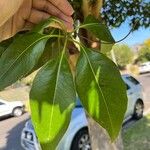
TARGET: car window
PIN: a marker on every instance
(133, 80)
(1, 103)
(142, 65)
(78, 104)
(127, 86)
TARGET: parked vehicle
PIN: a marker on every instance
(135, 106)
(77, 137)
(15, 108)
(144, 67)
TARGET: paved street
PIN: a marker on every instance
(10, 132)
(145, 81)
(10, 129)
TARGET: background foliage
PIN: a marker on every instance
(135, 12)
(116, 12)
(144, 54)
(123, 54)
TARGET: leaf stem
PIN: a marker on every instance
(85, 25)
(60, 23)
(82, 46)
(57, 78)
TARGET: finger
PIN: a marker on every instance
(63, 5)
(51, 9)
(69, 27)
(28, 26)
(37, 16)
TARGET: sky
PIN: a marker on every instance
(136, 37)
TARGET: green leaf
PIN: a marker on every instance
(50, 52)
(20, 57)
(44, 24)
(52, 100)
(2, 49)
(6, 43)
(105, 47)
(98, 29)
(101, 90)
(52, 49)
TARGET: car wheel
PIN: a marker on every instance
(17, 112)
(138, 110)
(81, 141)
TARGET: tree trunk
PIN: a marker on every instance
(100, 139)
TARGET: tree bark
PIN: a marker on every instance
(100, 139)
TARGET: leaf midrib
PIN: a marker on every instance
(54, 97)
(100, 90)
(89, 24)
(98, 24)
(19, 56)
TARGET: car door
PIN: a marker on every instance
(131, 97)
(130, 102)
(4, 109)
(134, 89)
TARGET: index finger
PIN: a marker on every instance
(63, 5)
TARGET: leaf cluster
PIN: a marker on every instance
(123, 54)
(55, 89)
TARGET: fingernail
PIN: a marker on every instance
(70, 28)
(71, 10)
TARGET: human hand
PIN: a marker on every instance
(32, 12)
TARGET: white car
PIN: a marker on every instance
(135, 106)
(15, 108)
(77, 137)
(144, 67)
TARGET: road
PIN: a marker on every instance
(10, 129)
(10, 132)
(145, 81)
